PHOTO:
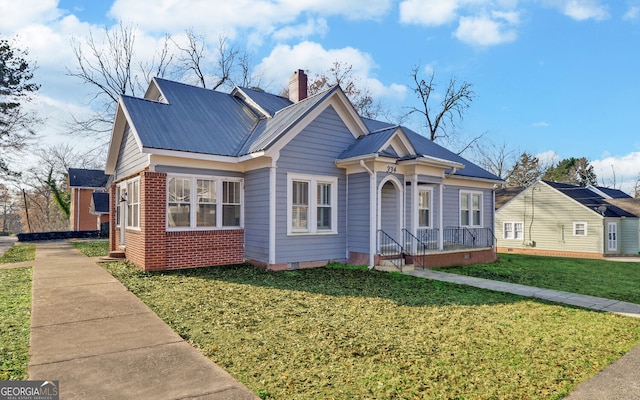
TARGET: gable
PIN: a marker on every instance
(289, 122)
(324, 138)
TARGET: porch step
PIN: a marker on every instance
(388, 266)
(117, 254)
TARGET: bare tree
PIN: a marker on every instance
(16, 89)
(525, 172)
(113, 68)
(342, 74)
(439, 121)
(497, 159)
(46, 184)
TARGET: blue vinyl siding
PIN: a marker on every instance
(451, 205)
(359, 211)
(130, 159)
(256, 214)
(313, 151)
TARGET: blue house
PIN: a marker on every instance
(205, 178)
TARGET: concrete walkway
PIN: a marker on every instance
(579, 300)
(101, 342)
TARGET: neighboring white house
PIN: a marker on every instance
(566, 220)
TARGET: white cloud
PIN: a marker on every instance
(213, 18)
(632, 13)
(278, 66)
(486, 31)
(548, 158)
(311, 27)
(540, 124)
(620, 172)
(581, 10)
(428, 12)
(27, 12)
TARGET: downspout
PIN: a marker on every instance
(78, 211)
(372, 214)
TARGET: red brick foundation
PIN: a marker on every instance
(552, 253)
(437, 260)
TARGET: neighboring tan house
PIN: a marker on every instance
(551, 218)
(84, 184)
(205, 178)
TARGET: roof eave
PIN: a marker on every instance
(203, 156)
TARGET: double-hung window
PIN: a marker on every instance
(579, 229)
(206, 211)
(231, 203)
(424, 208)
(179, 204)
(203, 202)
(471, 209)
(133, 203)
(312, 204)
(513, 230)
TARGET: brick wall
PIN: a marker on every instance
(553, 253)
(153, 248)
(204, 248)
(80, 217)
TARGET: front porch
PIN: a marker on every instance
(432, 248)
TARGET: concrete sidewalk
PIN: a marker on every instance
(101, 342)
(579, 300)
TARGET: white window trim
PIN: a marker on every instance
(124, 186)
(118, 206)
(470, 193)
(513, 230)
(312, 218)
(585, 228)
(430, 207)
(193, 203)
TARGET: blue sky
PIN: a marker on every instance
(558, 78)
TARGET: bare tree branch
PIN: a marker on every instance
(456, 100)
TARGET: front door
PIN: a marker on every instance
(612, 235)
(391, 210)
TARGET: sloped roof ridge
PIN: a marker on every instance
(126, 96)
(309, 98)
(386, 129)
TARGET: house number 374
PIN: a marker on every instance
(391, 169)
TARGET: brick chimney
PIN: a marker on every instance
(298, 86)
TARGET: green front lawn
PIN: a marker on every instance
(601, 278)
(15, 311)
(19, 253)
(352, 333)
(96, 248)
